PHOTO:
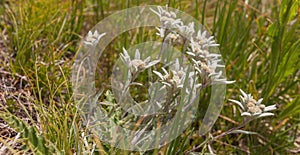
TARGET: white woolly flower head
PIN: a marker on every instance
(93, 38)
(187, 30)
(253, 108)
(207, 67)
(168, 20)
(137, 64)
(204, 41)
(196, 51)
(174, 78)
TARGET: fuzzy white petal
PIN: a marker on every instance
(246, 114)
(238, 103)
(152, 63)
(167, 84)
(270, 108)
(147, 59)
(243, 93)
(137, 54)
(159, 74)
(259, 101)
(265, 114)
(164, 70)
(125, 52)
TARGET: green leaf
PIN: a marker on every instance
(289, 62)
(291, 109)
(288, 10)
(273, 30)
(28, 132)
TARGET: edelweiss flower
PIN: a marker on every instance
(174, 78)
(205, 41)
(171, 79)
(168, 20)
(207, 68)
(253, 108)
(187, 30)
(137, 64)
(92, 39)
(196, 51)
(199, 51)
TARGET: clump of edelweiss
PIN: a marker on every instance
(253, 108)
(137, 64)
(205, 63)
(93, 38)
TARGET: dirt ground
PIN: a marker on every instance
(14, 89)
